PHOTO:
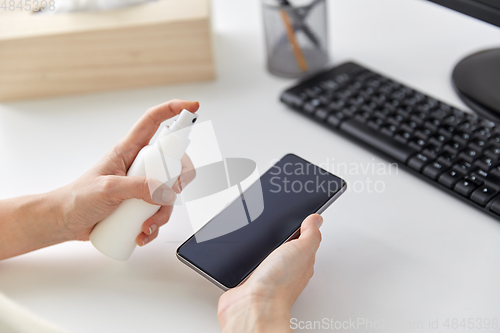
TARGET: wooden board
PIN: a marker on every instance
(163, 42)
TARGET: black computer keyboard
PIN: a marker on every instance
(456, 151)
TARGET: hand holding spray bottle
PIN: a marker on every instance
(161, 160)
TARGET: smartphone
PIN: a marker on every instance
(290, 191)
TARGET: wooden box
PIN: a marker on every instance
(162, 42)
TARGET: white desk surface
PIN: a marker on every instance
(411, 253)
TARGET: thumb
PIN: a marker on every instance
(309, 231)
(121, 188)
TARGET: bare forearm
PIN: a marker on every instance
(256, 316)
(30, 223)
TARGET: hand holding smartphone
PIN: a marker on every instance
(292, 190)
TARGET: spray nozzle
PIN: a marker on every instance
(184, 120)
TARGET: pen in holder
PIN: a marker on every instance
(296, 36)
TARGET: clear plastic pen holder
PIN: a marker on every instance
(296, 36)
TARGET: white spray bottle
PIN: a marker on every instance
(161, 160)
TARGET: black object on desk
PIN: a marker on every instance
(477, 77)
(453, 150)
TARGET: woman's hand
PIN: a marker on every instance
(263, 302)
(97, 193)
(71, 212)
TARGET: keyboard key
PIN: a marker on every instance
(357, 101)
(362, 116)
(447, 159)
(389, 130)
(322, 114)
(420, 97)
(311, 106)
(329, 85)
(473, 180)
(433, 124)
(452, 120)
(367, 92)
(374, 83)
(368, 108)
(417, 144)
(459, 113)
(486, 123)
(375, 123)
(489, 179)
(495, 206)
(412, 101)
(450, 178)
(483, 195)
(399, 95)
(326, 98)
(483, 134)
(384, 113)
(314, 91)
(395, 119)
(495, 140)
(342, 78)
(467, 127)
(447, 131)
(335, 119)
(355, 86)
(423, 133)
(439, 114)
(469, 155)
(293, 99)
(408, 91)
(350, 111)
(462, 167)
(484, 163)
(336, 106)
(454, 147)
(396, 150)
(438, 140)
(465, 188)
(433, 170)
(403, 137)
(385, 89)
(478, 145)
(473, 118)
(418, 162)
(431, 151)
(419, 118)
(493, 153)
(403, 113)
(463, 138)
(409, 109)
(495, 171)
(410, 126)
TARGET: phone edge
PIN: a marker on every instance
(293, 236)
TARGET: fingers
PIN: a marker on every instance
(119, 188)
(150, 228)
(310, 235)
(157, 220)
(188, 173)
(142, 132)
(143, 239)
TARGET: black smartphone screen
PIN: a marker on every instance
(291, 190)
